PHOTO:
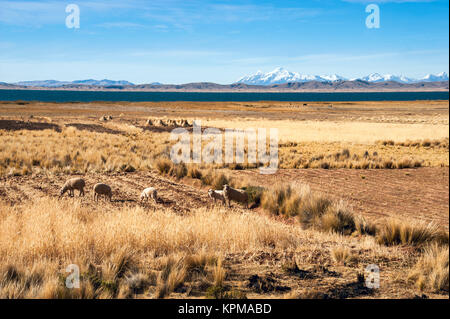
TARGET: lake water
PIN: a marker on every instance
(89, 96)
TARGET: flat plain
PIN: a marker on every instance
(384, 164)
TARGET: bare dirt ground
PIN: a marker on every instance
(419, 194)
(384, 111)
(12, 125)
(126, 188)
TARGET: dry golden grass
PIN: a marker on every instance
(74, 151)
(359, 156)
(313, 209)
(431, 273)
(317, 211)
(133, 252)
(342, 131)
(397, 232)
(51, 233)
(342, 255)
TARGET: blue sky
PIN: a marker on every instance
(174, 41)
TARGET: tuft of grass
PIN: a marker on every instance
(396, 232)
(219, 273)
(282, 200)
(363, 227)
(272, 200)
(194, 172)
(312, 209)
(343, 255)
(19, 283)
(175, 271)
(431, 272)
(178, 170)
(254, 194)
(215, 179)
(172, 276)
(163, 165)
(338, 219)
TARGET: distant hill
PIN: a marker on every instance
(54, 83)
(309, 86)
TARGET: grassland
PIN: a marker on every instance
(296, 241)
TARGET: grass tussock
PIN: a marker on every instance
(314, 210)
(172, 275)
(431, 270)
(337, 218)
(215, 179)
(396, 232)
(166, 167)
(343, 255)
(428, 143)
(163, 165)
(283, 199)
(255, 194)
(194, 172)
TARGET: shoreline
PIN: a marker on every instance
(396, 90)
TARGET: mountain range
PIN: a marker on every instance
(277, 76)
(310, 86)
(54, 83)
(281, 76)
(279, 80)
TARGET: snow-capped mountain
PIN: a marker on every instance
(281, 75)
(333, 78)
(376, 77)
(54, 83)
(434, 78)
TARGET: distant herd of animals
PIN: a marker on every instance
(225, 196)
(157, 122)
(169, 122)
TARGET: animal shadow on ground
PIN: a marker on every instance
(301, 273)
(165, 201)
(265, 284)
